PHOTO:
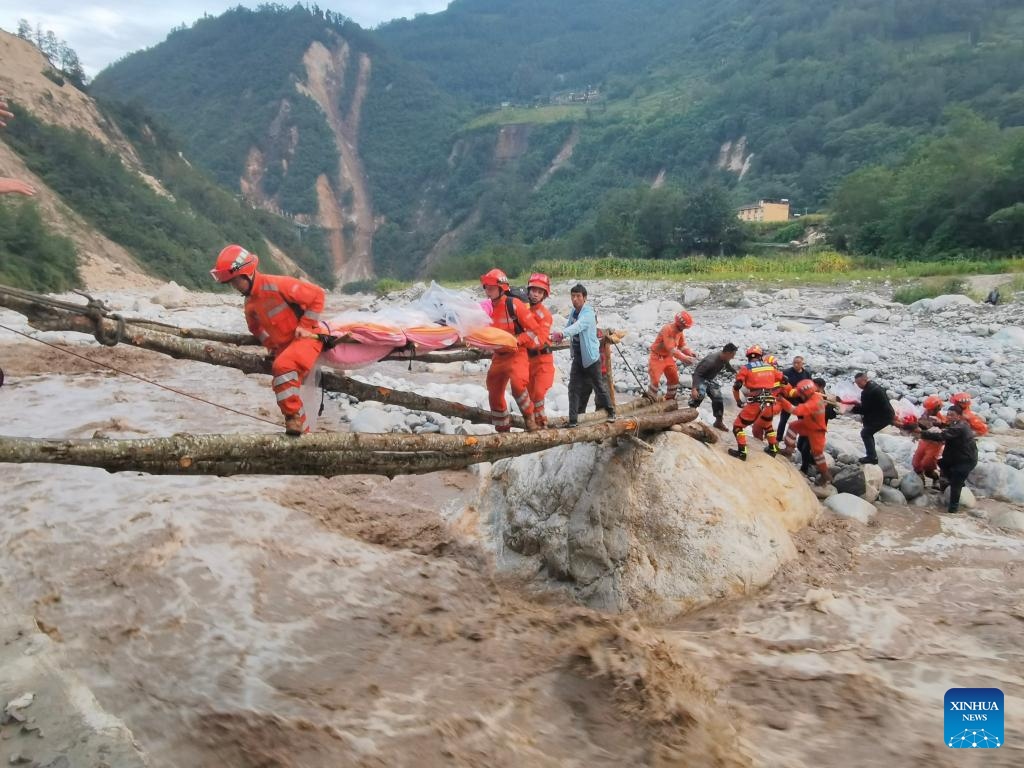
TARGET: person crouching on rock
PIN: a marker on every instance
(959, 457)
(811, 423)
(669, 346)
(926, 456)
(542, 363)
(283, 313)
(704, 383)
(511, 366)
(761, 382)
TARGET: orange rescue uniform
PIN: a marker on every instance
(511, 367)
(276, 306)
(663, 363)
(927, 453)
(761, 381)
(811, 423)
(542, 363)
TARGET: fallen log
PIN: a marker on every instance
(325, 454)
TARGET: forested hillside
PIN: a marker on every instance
(729, 101)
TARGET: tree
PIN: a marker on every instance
(24, 30)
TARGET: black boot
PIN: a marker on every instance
(739, 453)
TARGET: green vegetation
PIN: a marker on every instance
(804, 93)
(917, 291)
(953, 193)
(174, 237)
(380, 287)
(30, 256)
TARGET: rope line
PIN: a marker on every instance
(140, 378)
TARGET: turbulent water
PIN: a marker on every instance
(308, 622)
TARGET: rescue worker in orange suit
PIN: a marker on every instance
(542, 362)
(283, 313)
(764, 424)
(926, 456)
(761, 382)
(513, 366)
(811, 423)
(974, 421)
(669, 346)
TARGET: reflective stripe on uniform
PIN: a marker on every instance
(284, 394)
(311, 315)
(276, 310)
(284, 378)
(262, 336)
(269, 287)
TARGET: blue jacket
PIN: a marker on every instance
(585, 327)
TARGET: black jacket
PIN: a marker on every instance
(961, 449)
(793, 377)
(874, 406)
(708, 368)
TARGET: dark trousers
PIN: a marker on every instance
(583, 381)
(781, 430)
(804, 446)
(957, 477)
(867, 434)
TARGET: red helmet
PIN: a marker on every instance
(932, 403)
(684, 319)
(754, 351)
(232, 262)
(494, 277)
(771, 360)
(806, 386)
(539, 280)
(962, 399)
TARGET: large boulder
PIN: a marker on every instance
(1010, 336)
(1000, 481)
(793, 326)
(171, 295)
(659, 533)
(948, 300)
(892, 496)
(694, 295)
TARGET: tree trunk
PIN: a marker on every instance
(325, 454)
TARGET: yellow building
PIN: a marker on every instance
(765, 210)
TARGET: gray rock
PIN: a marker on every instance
(850, 322)
(1011, 519)
(967, 500)
(850, 480)
(887, 466)
(850, 506)
(793, 326)
(999, 481)
(988, 378)
(1010, 336)
(891, 496)
(694, 295)
(911, 486)
(873, 481)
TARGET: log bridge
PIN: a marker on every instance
(324, 454)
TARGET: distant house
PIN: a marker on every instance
(765, 210)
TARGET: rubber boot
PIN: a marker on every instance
(294, 425)
(720, 425)
(772, 449)
(824, 478)
(531, 423)
(739, 453)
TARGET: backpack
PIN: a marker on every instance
(516, 293)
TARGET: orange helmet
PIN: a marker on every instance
(771, 360)
(494, 277)
(932, 403)
(962, 399)
(755, 351)
(539, 280)
(684, 319)
(232, 262)
(806, 386)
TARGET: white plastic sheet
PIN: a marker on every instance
(456, 309)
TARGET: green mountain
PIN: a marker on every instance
(468, 128)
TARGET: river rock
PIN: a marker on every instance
(1011, 519)
(660, 532)
(171, 296)
(793, 326)
(911, 486)
(695, 295)
(999, 481)
(892, 496)
(853, 507)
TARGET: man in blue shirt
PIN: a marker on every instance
(585, 373)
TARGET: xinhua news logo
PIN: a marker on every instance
(974, 718)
